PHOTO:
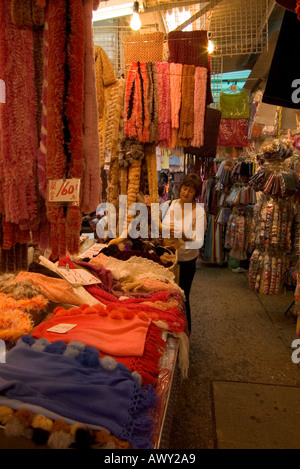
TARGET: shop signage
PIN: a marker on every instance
(77, 276)
(64, 190)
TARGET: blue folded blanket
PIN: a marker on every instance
(74, 382)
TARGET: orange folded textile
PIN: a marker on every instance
(113, 332)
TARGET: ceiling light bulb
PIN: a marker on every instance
(211, 47)
(135, 22)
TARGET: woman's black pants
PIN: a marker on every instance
(186, 276)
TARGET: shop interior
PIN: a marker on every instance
(118, 102)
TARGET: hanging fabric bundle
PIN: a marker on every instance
(152, 101)
(186, 125)
(199, 106)
(164, 111)
(175, 71)
(91, 182)
(64, 114)
(18, 153)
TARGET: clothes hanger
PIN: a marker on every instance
(232, 89)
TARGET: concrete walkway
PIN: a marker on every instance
(243, 389)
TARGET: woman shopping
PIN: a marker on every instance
(185, 220)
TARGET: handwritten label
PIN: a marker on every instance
(64, 191)
(61, 328)
(77, 276)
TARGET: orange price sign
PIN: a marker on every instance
(61, 190)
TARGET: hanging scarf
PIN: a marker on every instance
(64, 116)
(136, 114)
(91, 182)
(164, 106)
(175, 92)
(199, 106)
(18, 121)
(186, 126)
(152, 101)
(42, 152)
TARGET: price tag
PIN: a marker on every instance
(77, 276)
(64, 190)
(106, 167)
(107, 156)
(92, 251)
(61, 328)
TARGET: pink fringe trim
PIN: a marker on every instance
(164, 104)
(199, 106)
(175, 93)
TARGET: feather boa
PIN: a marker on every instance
(91, 182)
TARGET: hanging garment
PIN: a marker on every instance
(233, 133)
(164, 104)
(191, 48)
(285, 68)
(235, 105)
(199, 106)
(186, 119)
(211, 132)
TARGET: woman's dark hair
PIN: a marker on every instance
(192, 180)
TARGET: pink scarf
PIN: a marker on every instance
(199, 106)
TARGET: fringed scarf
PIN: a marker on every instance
(199, 106)
(42, 152)
(152, 101)
(191, 48)
(64, 116)
(175, 71)
(18, 121)
(164, 107)
(136, 114)
(91, 182)
(186, 126)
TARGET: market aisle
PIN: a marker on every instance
(237, 337)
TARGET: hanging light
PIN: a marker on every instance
(211, 46)
(135, 22)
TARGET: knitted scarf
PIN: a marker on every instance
(186, 126)
(191, 48)
(37, 375)
(18, 123)
(64, 116)
(199, 106)
(152, 101)
(175, 92)
(91, 182)
(42, 152)
(136, 114)
(164, 112)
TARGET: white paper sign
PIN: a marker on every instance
(64, 190)
(61, 328)
(92, 251)
(77, 276)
